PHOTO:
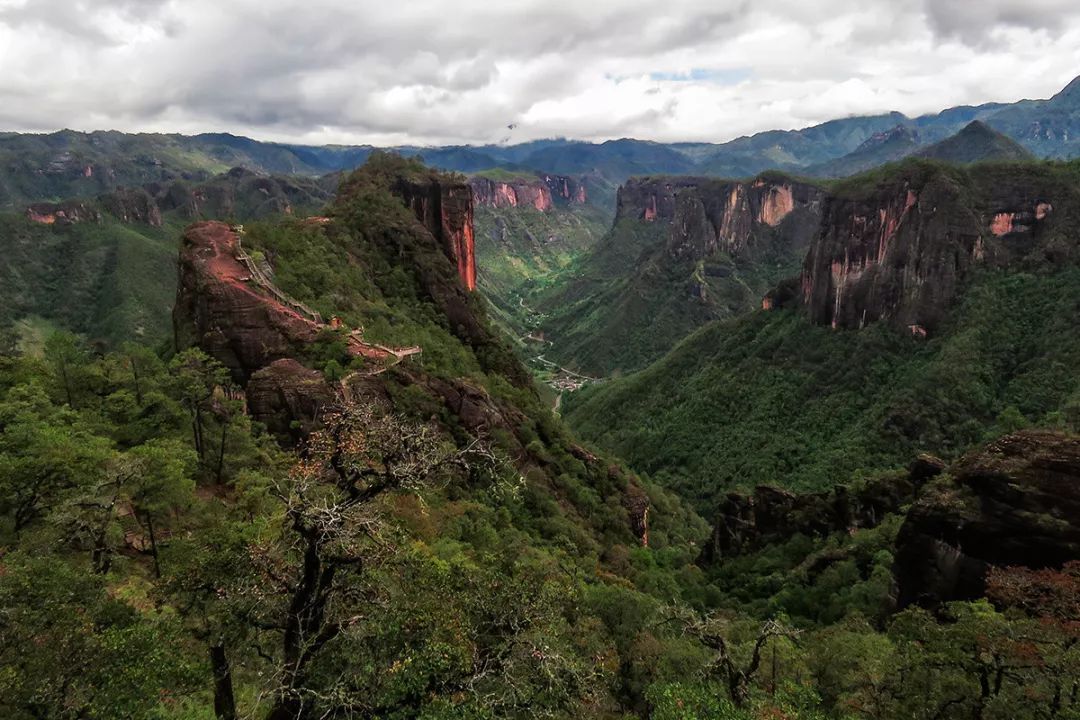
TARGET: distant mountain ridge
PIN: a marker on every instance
(69, 164)
(976, 142)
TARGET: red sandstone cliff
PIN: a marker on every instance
(446, 210)
(541, 193)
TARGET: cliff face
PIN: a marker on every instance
(541, 193)
(571, 190)
(516, 193)
(65, 213)
(446, 210)
(902, 248)
(221, 309)
(708, 216)
(748, 522)
(133, 206)
(1015, 502)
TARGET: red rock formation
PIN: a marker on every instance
(1022, 220)
(446, 210)
(222, 309)
(709, 215)
(541, 193)
(226, 306)
(516, 193)
(901, 250)
(570, 190)
(777, 204)
(65, 213)
(853, 273)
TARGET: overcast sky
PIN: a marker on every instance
(425, 72)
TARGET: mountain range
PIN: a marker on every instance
(74, 164)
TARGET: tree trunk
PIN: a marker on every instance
(138, 385)
(221, 452)
(153, 545)
(224, 702)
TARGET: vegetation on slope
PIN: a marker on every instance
(771, 399)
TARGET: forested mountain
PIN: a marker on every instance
(936, 307)
(275, 440)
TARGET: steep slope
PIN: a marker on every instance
(682, 252)
(977, 288)
(900, 244)
(1014, 503)
(273, 329)
(977, 142)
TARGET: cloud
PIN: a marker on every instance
(977, 23)
(425, 72)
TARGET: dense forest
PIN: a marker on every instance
(165, 555)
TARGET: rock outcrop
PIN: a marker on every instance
(540, 193)
(748, 522)
(708, 216)
(571, 190)
(64, 213)
(288, 398)
(221, 308)
(132, 206)
(446, 210)
(513, 193)
(1015, 502)
(902, 248)
(240, 193)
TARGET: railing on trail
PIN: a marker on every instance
(267, 284)
(398, 354)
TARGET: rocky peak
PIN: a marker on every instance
(898, 134)
(976, 142)
(1069, 97)
(223, 308)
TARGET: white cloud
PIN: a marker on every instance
(427, 72)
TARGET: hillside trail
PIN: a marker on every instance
(356, 346)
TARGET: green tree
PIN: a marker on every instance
(70, 651)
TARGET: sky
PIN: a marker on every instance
(474, 72)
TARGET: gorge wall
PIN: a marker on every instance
(1013, 503)
(446, 210)
(708, 216)
(900, 248)
(541, 193)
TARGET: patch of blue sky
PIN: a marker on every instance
(718, 76)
